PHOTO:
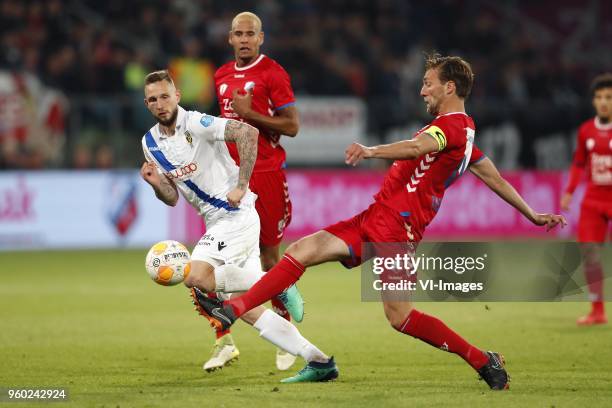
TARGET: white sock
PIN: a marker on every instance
(285, 335)
(231, 278)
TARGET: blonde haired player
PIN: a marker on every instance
(186, 151)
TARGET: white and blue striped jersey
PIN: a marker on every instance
(196, 158)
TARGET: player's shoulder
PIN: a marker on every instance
(227, 68)
(201, 119)
(453, 118)
(586, 126)
(150, 134)
(271, 65)
(453, 121)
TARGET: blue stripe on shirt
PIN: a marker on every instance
(285, 106)
(165, 163)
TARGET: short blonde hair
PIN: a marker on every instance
(156, 76)
(247, 15)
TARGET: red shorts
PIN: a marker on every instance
(594, 220)
(378, 224)
(272, 205)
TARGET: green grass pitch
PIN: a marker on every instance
(93, 322)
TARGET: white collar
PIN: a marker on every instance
(601, 126)
(451, 113)
(251, 65)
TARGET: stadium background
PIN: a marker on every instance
(71, 101)
(71, 119)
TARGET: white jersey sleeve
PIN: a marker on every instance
(207, 127)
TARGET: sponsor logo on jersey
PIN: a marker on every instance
(154, 149)
(206, 120)
(180, 172)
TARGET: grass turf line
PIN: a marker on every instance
(93, 322)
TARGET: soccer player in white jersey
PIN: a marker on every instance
(186, 151)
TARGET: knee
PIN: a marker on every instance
(396, 313)
(591, 254)
(300, 251)
(201, 279)
(190, 281)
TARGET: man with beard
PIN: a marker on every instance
(187, 151)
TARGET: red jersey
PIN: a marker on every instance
(271, 88)
(415, 188)
(594, 154)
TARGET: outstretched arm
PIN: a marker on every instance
(164, 188)
(405, 150)
(245, 137)
(486, 171)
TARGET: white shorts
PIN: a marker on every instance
(231, 240)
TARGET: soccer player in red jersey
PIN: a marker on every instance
(407, 202)
(594, 156)
(256, 89)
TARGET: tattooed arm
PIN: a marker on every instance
(164, 188)
(245, 137)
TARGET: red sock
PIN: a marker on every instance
(221, 333)
(280, 309)
(594, 277)
(284, 274)
(598, 308)
(433, 331)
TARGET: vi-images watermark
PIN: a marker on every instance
(533, 270)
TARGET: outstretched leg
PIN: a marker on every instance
(309, 251)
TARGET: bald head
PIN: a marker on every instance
(246, 37)
(249, 17)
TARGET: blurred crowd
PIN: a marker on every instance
(533, 60)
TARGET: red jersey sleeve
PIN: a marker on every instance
(580, 154)
(578, 163)
(279, 84)
(444, 131)
(477, 155)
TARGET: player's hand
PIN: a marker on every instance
(234, 196)
(241, 103)
(549, 220)
(566, 200)
(149, 173)
(355, 153)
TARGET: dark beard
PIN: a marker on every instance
(170, 120)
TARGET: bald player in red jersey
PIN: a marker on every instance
(593, 156)
(256, 89)
(409, 198)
